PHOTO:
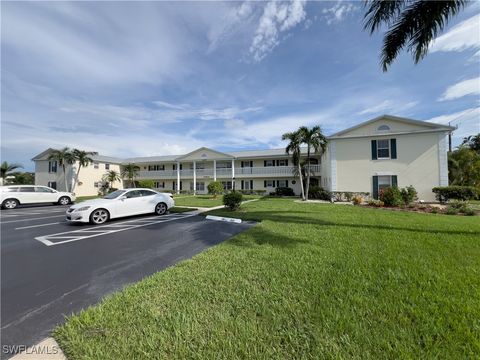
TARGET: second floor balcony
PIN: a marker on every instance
(226, 173)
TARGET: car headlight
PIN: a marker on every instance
(83, 208)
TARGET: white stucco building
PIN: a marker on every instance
(385, 151)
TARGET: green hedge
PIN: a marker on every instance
(445, 193)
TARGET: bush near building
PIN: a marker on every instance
(233, 200)
(149, 184)
(445, 193)
(215, 188)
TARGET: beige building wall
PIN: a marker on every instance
(417, 163)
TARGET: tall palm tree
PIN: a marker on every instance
(411, 23)
(130, 171)
(111, 176)
(64, 157)
(84, 159)
(316, 141)
(294, 148)
(7, 168)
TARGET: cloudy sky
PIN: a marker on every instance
(138, 79)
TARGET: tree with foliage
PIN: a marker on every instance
(413, 24)
(130, 171)
(64, 157)
(7, 168)
(146, 183)
(84, 159)
(464, 167)
(294, 148)
(473, 142)
(23, 178)
(111, 176)
(215, 188)
(316, 141)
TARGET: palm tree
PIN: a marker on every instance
(293, 147)
(84, 159)
(63, 157)
(111, 176)
(130, 171)
(7, 168)
(316, 141)
(411, 23)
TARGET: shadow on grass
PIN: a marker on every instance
(286, 216)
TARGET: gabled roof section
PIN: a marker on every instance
(417, 124)
(100, 158)
(205, 153)
(43, 155)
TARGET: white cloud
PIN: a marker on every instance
(276, 18)
(468, 122)
(338, 12)
(465, 35)
(463, 88)
(386, 106)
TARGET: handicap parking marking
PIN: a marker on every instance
(90, 232)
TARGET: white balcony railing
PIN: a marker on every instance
(259, 171)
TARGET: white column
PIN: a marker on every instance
(178, 177)
(214, 170)
(194, 178)
(233, 173)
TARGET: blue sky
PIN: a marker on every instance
(153, 78)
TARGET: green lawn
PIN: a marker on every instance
(204, 200)
(177, 209)
(83, 198)
(310, 281)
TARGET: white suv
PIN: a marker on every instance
(13, 195)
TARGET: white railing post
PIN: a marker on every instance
(214, 170)
(178, 177)
(194, 178)
(233, 174)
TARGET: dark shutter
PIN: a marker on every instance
(241, 164)
(286, 162)
(264, 163)
(394, 181)
(278, 183)
(286, 183)
(374, 149)
(375, 187)
(181, 185)
(251, 184)
(163, 184)
(242, 185)
(264, 183)
(393, 148)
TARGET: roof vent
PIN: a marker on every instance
(383, 128)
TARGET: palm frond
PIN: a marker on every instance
(381, 12)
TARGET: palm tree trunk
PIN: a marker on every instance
(65, 177)
(76, 177)
(301, 180)
(308, 171)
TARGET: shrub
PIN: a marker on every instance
(215, 188)
(451, 211)
(434, 210)
(376, 203)
(409, 195)
(469, 212)
(391, 196)
(445, 193)
(357, 200)
(461, 206)
(284, 191)
(149, 184)
(317, 192)
(232, 200)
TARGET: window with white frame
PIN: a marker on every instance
(96, 184)
(269, 183)
(52, 166)
(282, 183)
(247, 184)
(156, 167)
(224, 164)
(200, 186)
(282, 162)
(227, 185)
(95, 165)
(269, 163)
(384, 182)
(383, 128)
(383, 149)
(159, 184)
(52, 184)
(107, 166)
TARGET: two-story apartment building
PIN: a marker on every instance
(385, 151)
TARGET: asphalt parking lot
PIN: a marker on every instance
(51, 268)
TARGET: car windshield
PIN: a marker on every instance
(115, 194)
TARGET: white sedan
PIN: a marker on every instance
(13, 195)
(120, 203)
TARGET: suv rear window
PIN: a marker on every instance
(11, 189)
(27, 189)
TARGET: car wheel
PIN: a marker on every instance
(64, 200)
(161, 208)
(99, 216)
(10, 204)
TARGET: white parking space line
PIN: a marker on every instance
(30, 219)
(34, 226)
(76, 235)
